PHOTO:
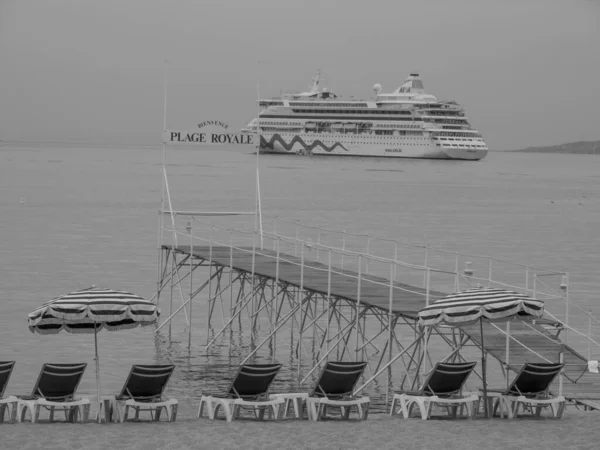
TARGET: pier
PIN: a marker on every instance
(332, 294)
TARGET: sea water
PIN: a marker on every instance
(75, 216)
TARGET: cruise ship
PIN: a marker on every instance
(406, 123)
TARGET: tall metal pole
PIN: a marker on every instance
(191, 231)
(390, 334)
(258, 221)
(358, 304)
(300, 298)
(483, 371)
(162, 194)
(328, 301)
(106, 415)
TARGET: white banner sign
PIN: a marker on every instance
(206, 137)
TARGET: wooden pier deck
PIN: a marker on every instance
(407, 301)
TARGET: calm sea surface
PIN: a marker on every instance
(75, 217)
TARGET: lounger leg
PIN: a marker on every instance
(35, 413)
(454, 410)
(21, 411)
(561, 409)
(10, 409)
(214, 412)
(362, 411)
(424, 407)
(279, 409)
(514, 408)
(13, 412)
(231, 411)
(118, 412)
(497, 404)
(101, 412)
(359, 410)
(318, 411)
(125, 414)
(286, 406)
(6, 408)
(411, 404)
(474, 409)
(311, 408)
(345, 412)
(204, 402)
(409, 407)
(404, 405)
(226, 409)
(469, 406)
(297, 404)
(77, 413)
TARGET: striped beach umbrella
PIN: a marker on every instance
(91, 310)
(495, 305)
(479, 304)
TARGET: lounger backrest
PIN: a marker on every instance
(534, 379)
(253, 380)
(146, 382)
(6, 368)
(338, 379)
(58, 382)
(447, 378)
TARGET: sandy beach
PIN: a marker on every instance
(577, 430)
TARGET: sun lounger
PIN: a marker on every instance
(530, 389)
(249, 389)
(143, 391)
(8, 404)
(335, 388)
(443, 386)
(55, 389)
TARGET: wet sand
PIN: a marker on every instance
(576, 430)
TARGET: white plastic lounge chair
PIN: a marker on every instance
(249, 389)
(8, 404)
(55, 389)
(443, 387)
(335, 388)
(143, 391)
(530, 389)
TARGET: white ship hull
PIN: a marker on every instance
(363, 145)
(406, 123)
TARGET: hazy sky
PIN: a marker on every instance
(527, 71)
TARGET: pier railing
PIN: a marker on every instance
(373, 259)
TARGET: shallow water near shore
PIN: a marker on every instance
(75, 217)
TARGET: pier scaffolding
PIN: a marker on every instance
(271, 289)
(307, 294)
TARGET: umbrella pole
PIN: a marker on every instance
(483, 371)
(98, 372)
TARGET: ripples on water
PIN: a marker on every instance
(73, 217)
